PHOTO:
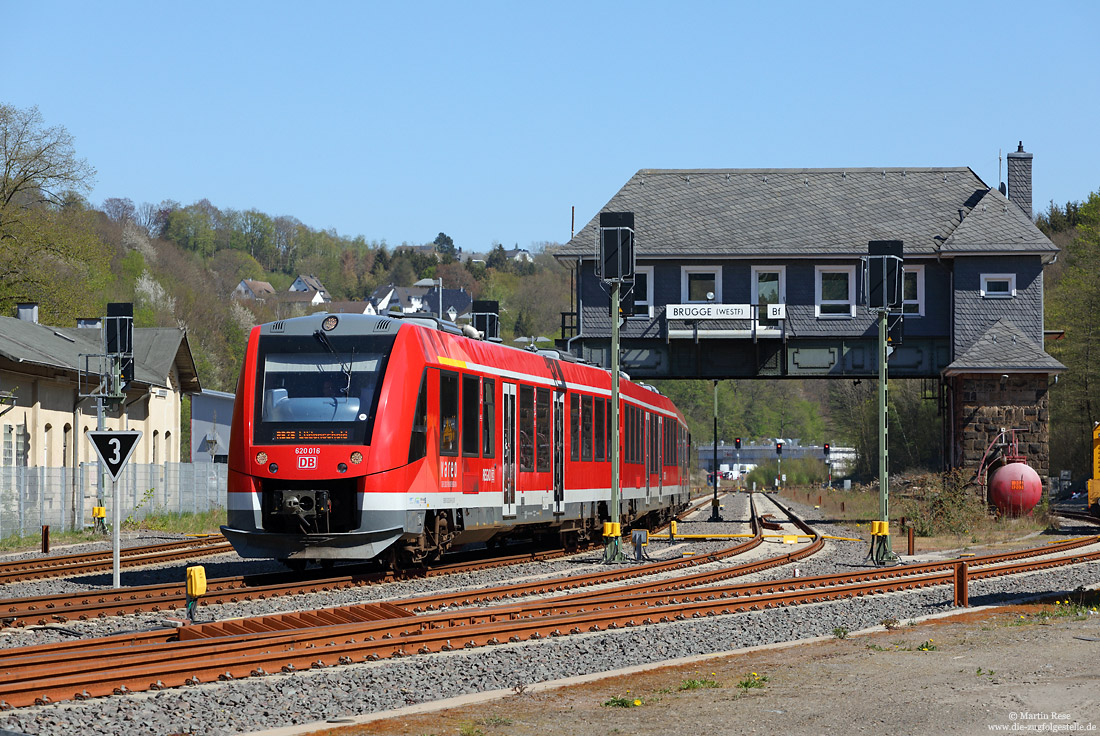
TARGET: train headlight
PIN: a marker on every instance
(273, 468)
(356, 457)
(261, 458)
(329, 323)
(342, 467)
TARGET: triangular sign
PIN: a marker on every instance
(115, 448)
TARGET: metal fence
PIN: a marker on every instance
(63, 498)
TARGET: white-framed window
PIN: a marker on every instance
(15, 446)
(769, 286)
(835, 292)
(912, 291)
(696, 282)
(643, 291)
(998, 285)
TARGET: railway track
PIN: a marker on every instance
(291, 642)
(156, 598)
(89, 562)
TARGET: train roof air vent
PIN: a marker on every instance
(382, 325)
(277, 326)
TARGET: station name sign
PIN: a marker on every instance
(722, 311)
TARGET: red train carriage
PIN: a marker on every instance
(358, 436)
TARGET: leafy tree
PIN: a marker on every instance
(47, 232)
(497, 259)
(445, 246)
(1073, 305)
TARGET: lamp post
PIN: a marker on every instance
(434, 282)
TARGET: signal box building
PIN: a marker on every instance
(757, 273)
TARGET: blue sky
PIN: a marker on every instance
(490, 120)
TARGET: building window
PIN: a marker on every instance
(769, 286)
(643, 291)
(701, 284)
(835, 291)
(998, 285)
(15, 446)
(912, 291)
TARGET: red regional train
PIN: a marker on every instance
(357, 437)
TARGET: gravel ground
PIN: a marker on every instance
(338, 692)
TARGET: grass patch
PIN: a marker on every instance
(623, 702)
(698, 684)
(752, 681)
(204, 522)
(840, 632)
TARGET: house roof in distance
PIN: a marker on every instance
(708, 213)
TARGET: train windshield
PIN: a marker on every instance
(318, 390)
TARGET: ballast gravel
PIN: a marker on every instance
(257, 703)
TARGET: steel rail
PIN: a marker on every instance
(87, 562)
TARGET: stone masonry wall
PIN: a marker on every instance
(983, 406)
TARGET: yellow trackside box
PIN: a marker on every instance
(196, 581)
(99, 512)
(1094, 484)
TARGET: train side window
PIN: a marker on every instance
(654, 445)
(471, 411)
(607, 413)
(526, 428)
(418, 440)
(448, 413)
(488, 417)
(575, 425)
(639, 436)
(599, 429)
(542, 430)
(586, 428)
(628, 426)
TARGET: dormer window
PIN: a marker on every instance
(998, 285)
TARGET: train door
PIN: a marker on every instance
(662, 425)
(559, 452)
(508, 433)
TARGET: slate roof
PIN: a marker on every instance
(156, 350)
(706, 213)
(997, 225)
(1004, 348)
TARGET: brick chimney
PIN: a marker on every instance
(1019, 179)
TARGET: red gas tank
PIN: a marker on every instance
(1015, 488)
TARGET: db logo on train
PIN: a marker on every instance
(307, 462)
